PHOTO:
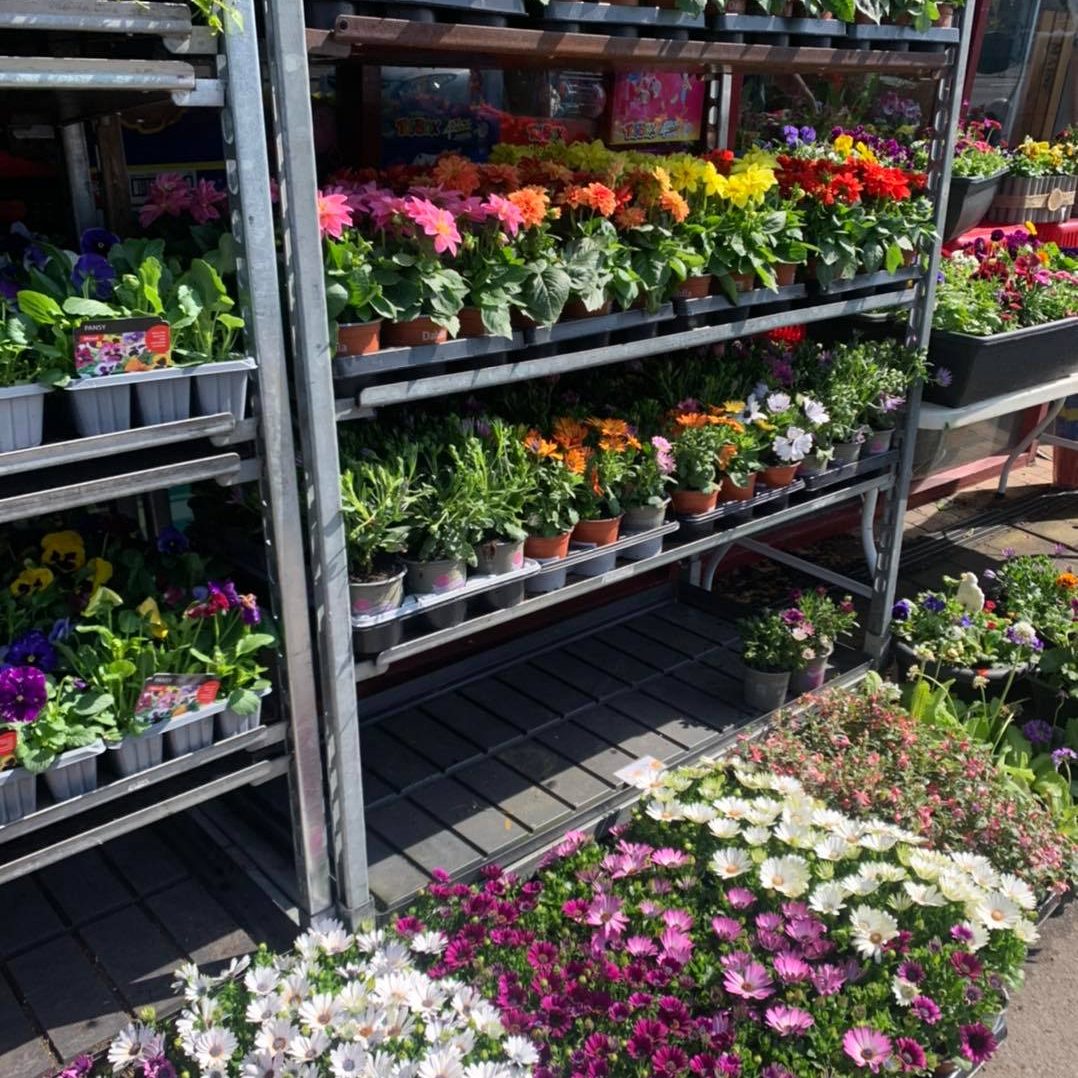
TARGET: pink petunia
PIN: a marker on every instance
(334, 214)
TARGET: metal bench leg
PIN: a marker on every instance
(1053, 412)
(869, 501)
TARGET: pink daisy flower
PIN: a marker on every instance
(334, 214)
(867, 1047)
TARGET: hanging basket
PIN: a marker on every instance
(1040, 199)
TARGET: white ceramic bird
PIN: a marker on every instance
(969, 593)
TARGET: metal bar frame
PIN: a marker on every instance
(311, 357)
(941, 156)
(252, 220)
(77, 165)
(1027, 442)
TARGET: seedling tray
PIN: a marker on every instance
(765, 499)
(775, 24)
(878, 462)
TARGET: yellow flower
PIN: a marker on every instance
(1030, 227)
(750, 185)
(30, 581)
(100, 571)
(734, 407)
(714, 181)
(843, 144)
(63, 551)
(754, 158)
(662, 176)
(866, 154)
(682, 174)
(149, 610)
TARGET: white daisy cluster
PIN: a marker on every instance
(338, 1006)
(777, 838)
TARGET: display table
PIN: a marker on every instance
(938, 418)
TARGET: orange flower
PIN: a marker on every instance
(568, 432)
(726, 421)
(630, 217)
(504, 176)
(457, 174)
(726, 454)
(674, 205)
(610, 428)
(687, 420)
(533, 203)
(576, 459)
(1067, 580)
(601, 199)
(538, 445)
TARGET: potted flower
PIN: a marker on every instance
(977, 171)
(65, 738)
(645, 494)
(1040, 185)
(739, 460)
(956, 634)
(550, 513)
(375, 499)
(607, 447)
(696, 447)
(788, 439)
(355, 304)
(22, 388)
(546, 285)
(491, 266)
(816, 621)
(771, 653)
(984, 347)
(597, 262)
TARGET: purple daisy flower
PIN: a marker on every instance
(977, 1043)
(751, 982)
(788, 1021)
(867, 1047)
(910, 1054)
(926, 1009)
(828, 979)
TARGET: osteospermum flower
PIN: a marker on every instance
(872, 930)
(867, 1047)
(926, 1010)
(788, 875)
(828, 898)
(996, 912)
(977, 1043)
(788, 1021)
(910, 1055)
(750, 981)
(730, 862)
(605, 912)
(724, 828)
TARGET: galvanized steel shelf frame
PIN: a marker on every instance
(364, 38)
(291, 746)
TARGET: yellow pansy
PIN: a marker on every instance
(866, 154)
(149, 610)
(1030, 227)
(64, 551)
(843, 144)
(30, 581)
(100, 571)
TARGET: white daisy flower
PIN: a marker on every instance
(828, 898)
(429, 942)
(274, 1037)
(214, 1048)
(997, 912)
(666, 811)
(877, 841)
(262, 1008)
(388, 959)
(127, 1047)
(353, 997)
(348, 1061)
(487, 1070)
(294, 990)
(978, 867)
(888, 872)
(487, 1020)
(369, 942)
(789, 875)
(308, 1049)
(700, 812)
(393, 989)
(900, 902)
(262, 1065)
(831, 848)
(764, 811)
(959, 888)
(927, 864)
(440, 1064)
(520, 1051)
(872, 930)
(734, 808)
(730, 862)
(757, 836)
(849, 831)
(320, 1011)
(1018, 891)
(859, 884)
(724, 828)
(799, 835)
(1026, 931)
(904, 992)
(786, 785)
(924, 894)
(261, 980)
(425, 996)
(370, 1026)
(828, 818)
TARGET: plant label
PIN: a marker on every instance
(169, 696)
(8, 740)
(122, 346)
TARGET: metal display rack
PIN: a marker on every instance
(500, 746)
(175, 61)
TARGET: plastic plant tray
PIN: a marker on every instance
(394, 359)
(726, 510)
(758, 297)
(414, 605)
(590, 327)
(906, 34)
(774, 24)
(620, 15)
(882, 279)
(840, 473)
(582, 554)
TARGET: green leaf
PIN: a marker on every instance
(243, 701)
(39, 307)
(246, 645)
(545, 293)
(80, 307)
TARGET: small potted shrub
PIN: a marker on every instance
(375, 501)
(771, 653)
(504, 484)
(816, 621)
(443, 521)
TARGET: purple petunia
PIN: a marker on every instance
(22, 693)
(97, 241)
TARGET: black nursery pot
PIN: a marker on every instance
(998, 677)
(968, 202)
(983, 367)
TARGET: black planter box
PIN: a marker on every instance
(983, 367)
(968, 202)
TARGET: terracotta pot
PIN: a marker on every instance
(779, 475)
(786, 273)
(861, 19)
(689, 503)
(547, 546)
(601, 532)
(519, 320)
(471, 323)
(359, 338)
(731, 492)
(946, 19)
(735, 7)
(744, 282)
(575, 309)
(694, 287)
(419, 331)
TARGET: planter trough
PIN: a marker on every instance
(22, 412)
(18, 794)
(74, 772)
(222, 387)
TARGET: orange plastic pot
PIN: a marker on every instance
(419, 331)
(471, 323)
(744, 282)
(694, 287)
(547, 546)
(785, 273)
(779, 475)
(601, 532)
(575, 309)
(731, 492)
(359, 338)
(689, 503)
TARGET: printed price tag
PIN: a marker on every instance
(122, 346)
(644, 773)
(168, 696)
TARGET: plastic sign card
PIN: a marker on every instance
(8, 740)
(122, 346)
(656, 106)
(170, 696)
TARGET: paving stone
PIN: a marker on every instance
(144, 860)
(137, 956)
(198, 922)
(23, 1051)
(85, 886)
(28, 916)
(67, 996)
